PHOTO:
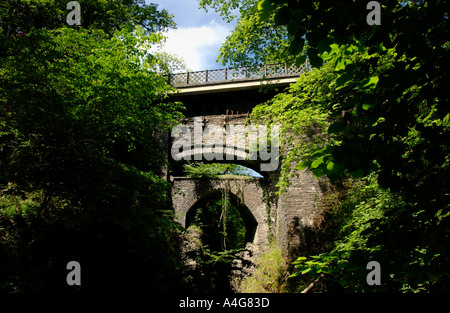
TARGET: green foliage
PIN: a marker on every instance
(303, 115)
(221, 225)
(369, 223)
(269, 275)
(107, 15)
(81, 112)
(387, 113)
(59, 109)
(199, 169)
(396, 81)
(357, 212)
(253, 42)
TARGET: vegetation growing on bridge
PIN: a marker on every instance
(205, 170)
(375, 113)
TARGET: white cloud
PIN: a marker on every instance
(198, 46)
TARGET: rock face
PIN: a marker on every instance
(241, 267)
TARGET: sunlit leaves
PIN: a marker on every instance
(369, 102)
(265, 8)
(369, 82)
(111, 96)
(108, 16)
(254, 41)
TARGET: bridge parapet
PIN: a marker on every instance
(226, 75)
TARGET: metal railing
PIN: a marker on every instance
(268, 71)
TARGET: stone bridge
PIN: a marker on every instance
(246, 194)
(212, 110)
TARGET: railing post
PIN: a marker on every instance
(285, 69)
(226, 73)
(187, 78)
(206, 76)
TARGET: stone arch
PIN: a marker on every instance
(191, 142)
(186, 192)
(249, 220)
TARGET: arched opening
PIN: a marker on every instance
(223, 225)
(222, 213)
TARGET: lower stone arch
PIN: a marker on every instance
(249, 220)
(187, 191)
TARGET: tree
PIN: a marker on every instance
(109, 16)
(382, 105)
(385, 102)
(82, 110)
(254, 42)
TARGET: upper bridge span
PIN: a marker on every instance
(232, 91)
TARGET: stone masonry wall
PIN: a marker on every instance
(288, 218)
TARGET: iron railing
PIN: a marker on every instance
(268, 71)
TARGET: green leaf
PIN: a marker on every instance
(306, 271)
(317, 162)
(296, 46)
(335, 127)
(283, 16)
(369, 102)
(324, 45)
(302, 165)
(314, 58)
(370, 82)
(332, 167)
(265, 8)
(340, 64)
(341, 80)
(368, 106)
(301, 59)
(357, 174)
(295, 28)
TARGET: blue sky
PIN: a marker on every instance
(198, 36)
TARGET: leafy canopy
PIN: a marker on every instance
(254, 42)
(108, 15)
(81, 113)
(381, 93)
(392, 88)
